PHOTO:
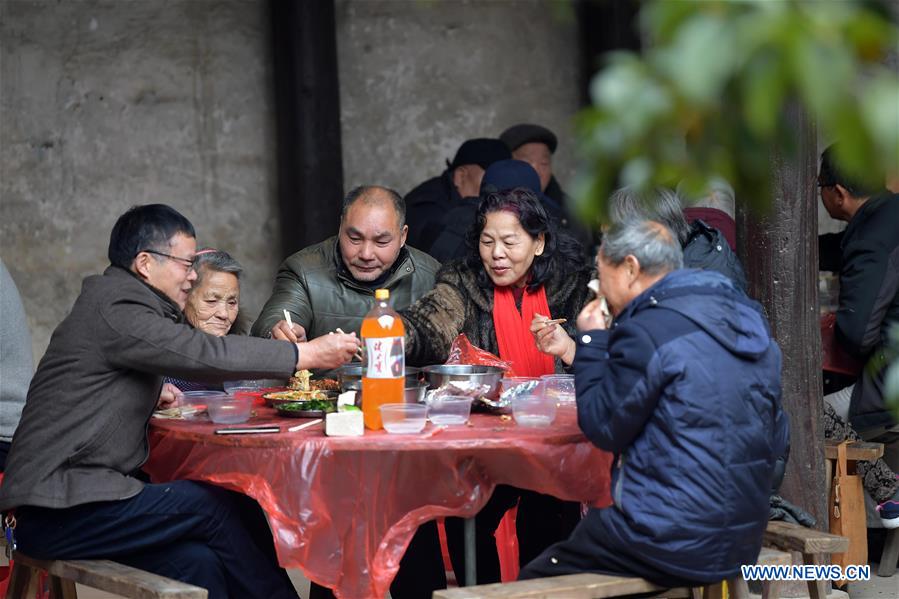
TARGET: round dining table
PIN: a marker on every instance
(343, 509)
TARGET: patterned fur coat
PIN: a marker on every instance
(457, 304)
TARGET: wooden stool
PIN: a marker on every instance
(859, 451)
(814, 545)
(99, 574)
(602, 586)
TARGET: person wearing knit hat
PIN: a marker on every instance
(428, 204)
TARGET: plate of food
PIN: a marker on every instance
(313, 408)
(277, 398)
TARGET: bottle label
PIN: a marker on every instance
(386, 358)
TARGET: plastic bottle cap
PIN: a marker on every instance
(382, 294)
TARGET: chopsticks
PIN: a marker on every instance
(358, 353)
(300, 427)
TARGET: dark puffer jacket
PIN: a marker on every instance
(459, 305)
(322, 295)
(685, 389)
(707, 248)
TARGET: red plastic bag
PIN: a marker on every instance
(463, 352)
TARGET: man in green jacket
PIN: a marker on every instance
(331, 284)
(83, 434)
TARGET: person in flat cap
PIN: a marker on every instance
(536, 145)
(428, 204)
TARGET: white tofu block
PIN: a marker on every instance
(347, 398)
(344, 424)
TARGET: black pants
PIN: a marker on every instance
(587, 550)
(196, 533)
(542, 520)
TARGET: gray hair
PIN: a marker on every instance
(652, 243)
(215, 260)
(658, 204)
(371, 193)
(718, 194)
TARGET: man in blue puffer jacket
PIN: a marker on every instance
(684, 388)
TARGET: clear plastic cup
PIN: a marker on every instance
(197, 401)
(449, 410)
(230, 409)
(404, 418)
(533, 410)
(244, 385)
(559, 387)
(510, 382)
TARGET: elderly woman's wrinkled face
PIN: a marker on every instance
(507, 250)
(213, 304)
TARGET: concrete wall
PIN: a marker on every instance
(419, 78)
(104, 105)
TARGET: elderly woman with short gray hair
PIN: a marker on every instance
(213, 306)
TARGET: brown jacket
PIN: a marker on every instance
(84, 427)
(459, 305)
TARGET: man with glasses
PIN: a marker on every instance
(866, 256)
(70, 483)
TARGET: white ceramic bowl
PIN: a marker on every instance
(449, 410)
(404, 418)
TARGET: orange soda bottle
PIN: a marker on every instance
(385, 351)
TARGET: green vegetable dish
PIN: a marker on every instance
(313, 404)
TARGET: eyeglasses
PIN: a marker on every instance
(188, 262)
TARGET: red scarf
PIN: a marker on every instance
(513, 331)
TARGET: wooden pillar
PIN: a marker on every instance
(780, 253)
(307, 103)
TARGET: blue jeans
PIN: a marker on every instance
(193, 532)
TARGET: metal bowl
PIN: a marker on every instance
(350, 377)
(441, 374)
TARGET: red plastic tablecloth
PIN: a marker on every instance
(835, 358)
(343, 509)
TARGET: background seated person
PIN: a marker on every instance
(16, 366)
(430, 204)
(83, 433)
(502, 175)
(331, 284)
(703, 246)
(866, 256)
(715, 207)
(519, 270)
(536, 145)
(213, 304)
(684, 388)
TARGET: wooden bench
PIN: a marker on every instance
(104, 575)
(601, 586)
(867, 452)
(814, 545)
